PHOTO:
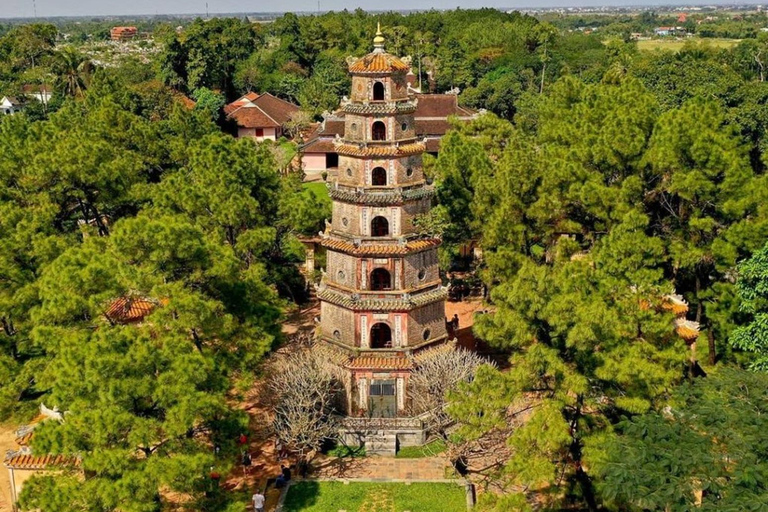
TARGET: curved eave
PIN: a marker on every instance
(380, 151)
(411, 247)
(390, 304)
(385, 198)
(361, 109)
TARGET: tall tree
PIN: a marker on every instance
(752, 288)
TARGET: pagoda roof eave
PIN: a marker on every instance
(409, 247)
(404, 303)
(391, 151)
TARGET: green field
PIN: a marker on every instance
(318, 187)
(417, 452)
(311, 496)
(675, 45)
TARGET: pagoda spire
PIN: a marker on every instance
(378, 41)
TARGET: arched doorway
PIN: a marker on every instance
(379, 131)
(378, 91)
(381, 279)
(379, 226)
(381, 336)
(379, 177)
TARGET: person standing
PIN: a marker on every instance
(258, 502)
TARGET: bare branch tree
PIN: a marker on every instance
(305, 388)
(437, 372)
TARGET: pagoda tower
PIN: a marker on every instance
(381, 297)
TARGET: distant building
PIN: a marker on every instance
(10, 105)
(22, 463)
(41, 93)
(431, 118)
(682, 18)
(669, 31)
(123, 33)
(260, 116)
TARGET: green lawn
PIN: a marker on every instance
(318, 187)
(311, 496)
(675, 45)
(417, 452)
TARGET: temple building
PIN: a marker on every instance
(381, 296)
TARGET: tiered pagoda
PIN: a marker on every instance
(381, 296)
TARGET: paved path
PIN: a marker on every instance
(387, 468)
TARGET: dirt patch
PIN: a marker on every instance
(7, 442)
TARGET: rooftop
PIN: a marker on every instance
(260, 111)
(378, 61)
(126, 310)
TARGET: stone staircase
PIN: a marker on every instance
(381, 443)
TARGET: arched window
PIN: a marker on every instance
(379, 226)
(379, 177)
(378, 91)
(381, 336)
(379, 131)
(381, 280)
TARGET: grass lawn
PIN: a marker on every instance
(675, 45)
(311, 496)
(417, 452)
(318, 187)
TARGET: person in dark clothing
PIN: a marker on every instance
(286, 473)
(455, 322)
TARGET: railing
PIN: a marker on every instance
(381, 423)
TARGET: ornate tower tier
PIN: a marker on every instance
(381, 297)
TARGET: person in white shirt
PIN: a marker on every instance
(258, 502)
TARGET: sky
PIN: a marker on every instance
(24, 8)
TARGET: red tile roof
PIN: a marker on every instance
(260, 111)
(381, 151)
(125, 310)
(378, 62)
(437, 127)
(41, 461)
(440, 106)
(379, 249)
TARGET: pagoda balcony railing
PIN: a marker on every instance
(372, 423)
(386, 142)
(378, 189)
(386, 294)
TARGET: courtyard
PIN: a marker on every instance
(333, 496)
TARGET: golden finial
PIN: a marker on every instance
(378, 41)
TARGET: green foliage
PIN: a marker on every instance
(752, 289)
(707, 452)
(209, 102)
(313, 496)
(124, 194)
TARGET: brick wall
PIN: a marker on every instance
(409, 212)
(334, 318)
(342, 269)
(349, 212)
(410, 129)
(414, 263)
(430, 317)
